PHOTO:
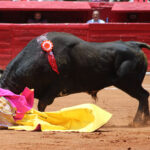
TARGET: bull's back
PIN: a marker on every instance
(99, 63)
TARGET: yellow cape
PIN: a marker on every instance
(81, 118)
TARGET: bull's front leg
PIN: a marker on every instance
(47, 98)
(43, 102)
(41, 105)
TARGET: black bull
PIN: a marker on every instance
(83, 66)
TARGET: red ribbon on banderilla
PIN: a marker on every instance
(47, 46)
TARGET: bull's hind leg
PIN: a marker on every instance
(130, 76)
(137, 91)
(142, 114)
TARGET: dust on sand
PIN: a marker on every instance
(115, 135)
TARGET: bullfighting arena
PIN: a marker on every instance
(115, 135)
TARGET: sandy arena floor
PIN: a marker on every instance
(115, 135)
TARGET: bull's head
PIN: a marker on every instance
(27, 68)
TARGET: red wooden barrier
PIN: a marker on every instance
(5, 45)
(131, 7)
(14, 37)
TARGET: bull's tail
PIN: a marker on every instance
(139, 44)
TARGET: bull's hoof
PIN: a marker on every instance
(136, 124)
(140, 122)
